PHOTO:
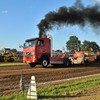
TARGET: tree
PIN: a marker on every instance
(14, 50)
(94, 46)
(73, 43)
(87, 45)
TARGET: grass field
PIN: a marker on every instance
(65, 91)
(8, 64)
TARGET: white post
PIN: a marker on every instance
(32, 94)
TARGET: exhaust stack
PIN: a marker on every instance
(51, 44)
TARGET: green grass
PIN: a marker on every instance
(7, 64)
(61, 91)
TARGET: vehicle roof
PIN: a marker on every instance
(35, 39)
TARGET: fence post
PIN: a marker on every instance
(22, 83)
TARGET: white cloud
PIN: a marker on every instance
(5, 12)
(96, 1)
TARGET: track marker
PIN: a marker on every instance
(32, 94)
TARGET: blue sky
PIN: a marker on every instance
(19, 19)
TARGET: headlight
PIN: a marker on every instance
(32, 53)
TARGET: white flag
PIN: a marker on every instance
(63, 49)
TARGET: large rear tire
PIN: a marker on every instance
(32, 64)
(44, 62)
(66, 62)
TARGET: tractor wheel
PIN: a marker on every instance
(44, 62)
(66, 62)
(11, 60)
(32, 64)
(1, 58)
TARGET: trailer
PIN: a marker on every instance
(67, 59)
(60, 59)
(76, 58)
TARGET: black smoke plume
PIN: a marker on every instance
(77, 14)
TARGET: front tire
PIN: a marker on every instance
(32, 64)
(44, 62)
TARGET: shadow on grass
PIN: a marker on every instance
(54, 97)
(57, 97)
(69, 94)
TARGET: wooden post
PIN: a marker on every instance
(22, 83)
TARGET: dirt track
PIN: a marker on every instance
(10, 75)
(16, 61)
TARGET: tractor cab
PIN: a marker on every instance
(7, 51)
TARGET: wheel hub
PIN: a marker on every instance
(44, 62)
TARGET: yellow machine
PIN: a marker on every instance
(7, 55)
(90, 56)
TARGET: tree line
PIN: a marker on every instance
(74, 44)
(15, 50)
